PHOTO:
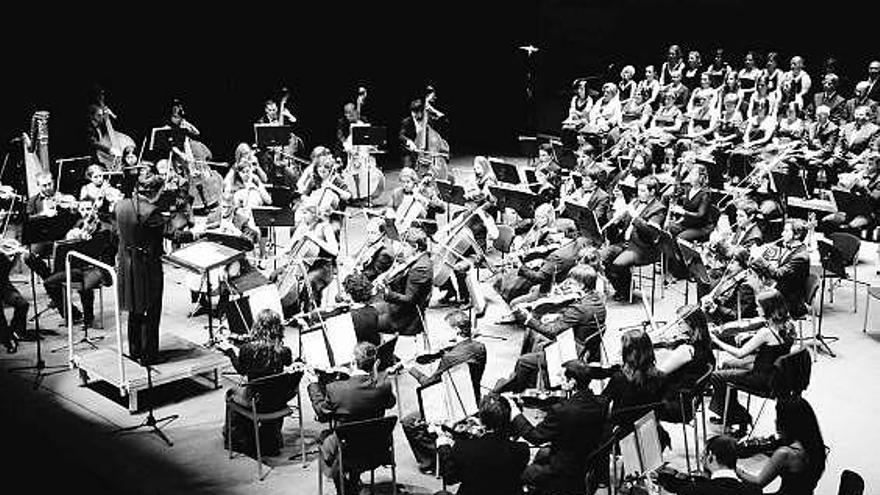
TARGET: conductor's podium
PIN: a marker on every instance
(185, 360)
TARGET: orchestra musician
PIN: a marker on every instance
(405, 299)
(641, 219)
(350, 117)
(273, 163)
(364, 315)
(46, 202)
(857, 143)
(736, 298)
(420, 112)
(696, 212)
(573, 428)
(465, 350)
(790, 267)
(365, 394)
(719, 461)
(98, 190)
(11, 331)
(592, 197)
(774, 338)
(415, 197)
(246, 180)
(262, 355)
(325, 187)
(313, 244)
(90, 228)
(584, 313)
(482, 231)
(490, 464)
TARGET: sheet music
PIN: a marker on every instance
(557, 353)
(460, 391)
(434, 404)
(342, 339)
(649, 442)
(629, 450)
(201, 255)
(264, 297)
(314, 349)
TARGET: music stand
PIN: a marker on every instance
(369, 135)
(505, 172)
(71, 174)
(165, 139)
(852, 204)
(31, 235)
(693, 260)
(523, 202)
(450, 193)
(150, 421)
(269, 135)
(832, 261)
(790, 185)
(584, 218)
(271, 217)
(282, 196)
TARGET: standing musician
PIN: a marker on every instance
(421, 115)
(363, 395)
(278, 162)
(465, 350)
(350, 116)
(573, 429)
(406, 295)
(642, 219)
(789, 266)
(11, 332)
(141, 229)
(584, 313)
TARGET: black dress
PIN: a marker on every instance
(257, 360)
(683, 379)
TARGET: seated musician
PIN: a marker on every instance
(415, 196)
(491, 464)
(98, 190)
(234, 218)
(681, 92)
(365, 394)
(45, 202)
(861, 99)
(580, 106)
(731, 296)
(789, 267)
(690, 358)
(246, 180)
(592, 197)
(263, 354)
(585, 314)
(484, 177)
(379, 250)
(405, 299)
(465, 350)
(548, 173)
(758, 132)
(641, 220)
(799, 461)
(326, 188)
(857, 143)
(774, 338)
(364, 315)
(719, 462)
(821, 140)
(696, 214)
(98, 233)
(573, 428)
(637, 387)
(482, 230)
(606, 114)
(791, 126)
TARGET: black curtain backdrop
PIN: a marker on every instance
(223, 63)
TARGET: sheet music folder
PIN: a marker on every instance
(450, 193)
(505, 172)
(273, 216)
(584, 218)
(266, 135)
(449, 400)
(163, 139)
(523, 202)
(850, 203)
(202, 256)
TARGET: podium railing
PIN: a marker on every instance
(115, 279)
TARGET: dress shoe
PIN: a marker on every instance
(11, 346)
(507, 319)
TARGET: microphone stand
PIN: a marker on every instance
(40, 365)
(150, 421)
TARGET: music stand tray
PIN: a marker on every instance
(273, 216)
(369, 135)
(281, 195)
(267, 135)
(450, 193)
(164, 139)
(505, 172)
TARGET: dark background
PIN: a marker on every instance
(225, 62)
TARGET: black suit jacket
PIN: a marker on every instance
(718, 486)
(791, 274)
(467, 351)
(751, 237)
(141, 230)
(573, 428)
(358, 398)
(407, 304)
(644, 237)
(556, 266)
(585, 317)
(697, 211)
(490, 465)
(599, 204)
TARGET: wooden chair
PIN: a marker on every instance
(363, 446)
(258, 389)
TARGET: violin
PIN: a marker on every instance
(748, 447)
(65, 201)
(11, 248)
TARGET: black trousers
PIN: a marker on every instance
(143, 331)
(10, 296)
(91, 279)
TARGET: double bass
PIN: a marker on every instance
(111, 138)
(432, 149)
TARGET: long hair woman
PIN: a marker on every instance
(752, 363)
(800, 461)
(638, 382)
(690, 359)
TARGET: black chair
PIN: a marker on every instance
(259, 389)
(790, 377)
(848, 246)
(504, 240)
(363, 446)
(813, 284)
(690, 401)
(851, 483)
